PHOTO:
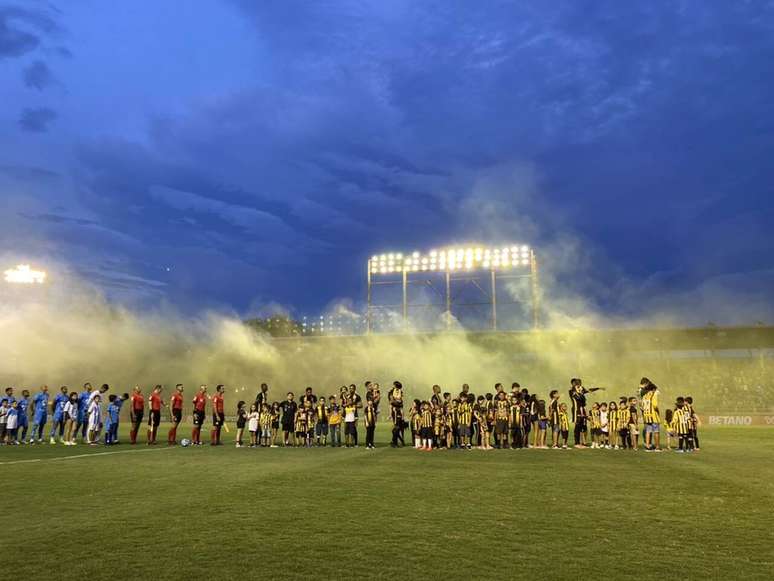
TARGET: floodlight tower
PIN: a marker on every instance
(466, 263)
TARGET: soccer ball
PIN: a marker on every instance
(185, 442)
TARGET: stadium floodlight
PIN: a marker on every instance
(23, 274)
(469, 257)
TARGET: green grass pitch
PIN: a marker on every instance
(212, 513)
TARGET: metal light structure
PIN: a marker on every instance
(23, 274)
(457, 263)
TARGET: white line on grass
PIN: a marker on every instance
(84, 456)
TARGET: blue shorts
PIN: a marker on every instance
(652, 428)
(40, 418)
(23, 421)
(58, 418)
(542, 424)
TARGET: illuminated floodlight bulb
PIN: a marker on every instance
(496, 261)
(23, 274)
(406, 261)
(525, 248)
(374, 258)
(383, 269)
(399, 256)
(496, 251)
(391, 256)
(468, 252)
(460, 252)
(525, 262)
(383, 257)
(505, 250)
(415, 254)
(486, 264)
(433, 253)
(424, 261)
(515, 263)
(478, 253)
(514, 249)
(468, 265)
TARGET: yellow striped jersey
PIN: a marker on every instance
(564, 421)
(650, 413)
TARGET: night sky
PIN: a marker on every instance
(238, 154)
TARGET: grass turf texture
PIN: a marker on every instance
(157, 513)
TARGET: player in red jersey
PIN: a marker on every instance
(218, 416)
(136, 411)
(199, 404)
(176, 411)
(154, 417)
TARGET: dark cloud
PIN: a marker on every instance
(38, 76)
(21, 29)
(37, 119)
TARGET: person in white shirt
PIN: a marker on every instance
(253, 419)
(69, 418)
(95, 419)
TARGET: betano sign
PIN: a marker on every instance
(738, 420)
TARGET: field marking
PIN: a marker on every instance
(82, 456)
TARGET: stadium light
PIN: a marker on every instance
(23, 274)
(458, 258)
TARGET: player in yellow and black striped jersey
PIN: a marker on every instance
(612, 424)
(479, 411)
(453, 423)
(300, 424)
(681, 423)
(415, 418)
(426, 426)
(634, 423)
(501, 413)
(622, 422)
(651, 415)
(369, 419)
(514, 421)
(694, 433)
(564, 424)
(439, 437)
(448, 425)
(464, 419)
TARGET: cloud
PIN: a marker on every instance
(21, 29)
(38, 76)
(37, 119)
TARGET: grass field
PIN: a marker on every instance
(212, 513)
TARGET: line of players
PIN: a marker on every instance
(442, 422)
(518, 420)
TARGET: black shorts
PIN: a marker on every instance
(154, 418)
(350, 428)
(218, 420)
(198, 418)
(501, 427)
(241, 423)
(138, 416)
(287, 426)
(426, 433)
(177, 416)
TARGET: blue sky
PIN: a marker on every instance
(231, 154)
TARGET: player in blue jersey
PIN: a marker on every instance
(57, 409)
(8, 396)
(24, 418)
(81, 422)
(112, 418)
(39, 414)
